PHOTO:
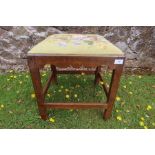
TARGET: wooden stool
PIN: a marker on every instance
(76, 50)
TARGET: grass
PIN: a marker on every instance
(135, 107)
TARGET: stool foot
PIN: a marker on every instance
(107, 114)
(44, 117)
(43, 113)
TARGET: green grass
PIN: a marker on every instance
(20, 109)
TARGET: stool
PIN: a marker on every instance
(76, 50)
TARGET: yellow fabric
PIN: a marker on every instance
(75, 44)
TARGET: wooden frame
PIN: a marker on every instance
(36, 62)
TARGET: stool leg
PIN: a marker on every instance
(53, 69)
(97, 77)
(36, 79)
(113, 90)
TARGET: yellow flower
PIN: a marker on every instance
(130, 82)
(20, 82)
(2, 106)
(141, 123)
(11, 76)
(127, 111)
(11, 71)
(140, 76)
(71, 109)
(119, 118)
(52, 120)
(17, 91)
(59, 90)
(14, 76)
(67, 96)
(142, 118)
(27, 76)
(66, 90)
(75, 95)
(33, 95)
(153, 123)
(118, 98)
(107, 85)
(149, 107)
(130, 92)
(48, 95)
(44, 74)
(124, 86)
(145, 127)
(82, 73)
(117, 110)
(101, 82)
(8, 79)
(61, 87)
(10, 112)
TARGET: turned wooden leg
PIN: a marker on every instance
(113, 90)
(53, 69)
(36, 79)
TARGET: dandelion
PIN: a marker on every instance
(142, 118)
(117, 110)
(101, 82)
(149, 107)
(153, 123)
(71, 109)
(10, 112)
(8, 79)
(61, 87)
(107, 85)
(118, 98)
(130, 92)
(119, 118)
(124, 86)
(17, 91)
(139, 76)
(14, 76)
(43, 74)
(66, 90)
(127, 111)
(59, 90)
(75, 95)
(11, 71)
(33, 95)
(2, 106)
(20, 82)
(27, 76)
(67, 96)
(11, 76)
(141, 123)
(52, 120)
(130, 82)
(145, 127)
(48, 95)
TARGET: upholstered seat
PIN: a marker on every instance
(75, 44)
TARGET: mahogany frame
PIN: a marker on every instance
(36, 62)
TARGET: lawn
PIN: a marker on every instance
(134, 107)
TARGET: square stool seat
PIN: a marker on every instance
(75, 45)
